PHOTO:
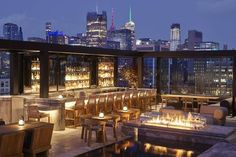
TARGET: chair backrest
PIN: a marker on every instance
(33, 111)
(2, 122)
(92, 122)
(91, 106)
(109, 103)
(118, 101)
(101, 103)
(80, 105)
(41, 138)
(127, 99)
(12, 144)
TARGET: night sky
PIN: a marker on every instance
(215, 18)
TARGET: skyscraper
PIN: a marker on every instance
(56, 37)
(123, 36)
(194, 39)
(48, 29)
(130, 25)
(96, 29)
(12, 32)
(175, 39)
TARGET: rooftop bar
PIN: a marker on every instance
(76, 89)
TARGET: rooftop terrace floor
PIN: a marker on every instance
(68, 143)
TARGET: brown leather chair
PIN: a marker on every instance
(33, 112)
(11, 145)
(40, 141)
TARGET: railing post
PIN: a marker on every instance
(158, 80)
(234, 88)
(115, 71)
(139, 64)
(16, 74)
(94, 71)
(44, 74)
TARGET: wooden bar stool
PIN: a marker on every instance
(101, 103)
(109, 104)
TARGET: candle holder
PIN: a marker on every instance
(125, 108)
(101, 115)
(85, 102)
(21, 121)
(60, 97)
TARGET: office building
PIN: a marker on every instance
(48, 28)
(175, 38)
(96, 29)
(12, 32)
(130, 25)
(123, 36)
(194, 39)
(56, 37)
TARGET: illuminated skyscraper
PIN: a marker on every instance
(48, 29)
(130, 25)
(175, 39)
(12, 32)
(96, 29)
(194, 39)
(56, 37)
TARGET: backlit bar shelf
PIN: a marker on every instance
(77, 76)
(35, 75)
(105, 73)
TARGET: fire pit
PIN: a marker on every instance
(187, 127)
(187, 122)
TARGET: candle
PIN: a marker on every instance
(125, 108)
(21, 122)
(101, 115)
(60, 96)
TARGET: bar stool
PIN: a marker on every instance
(109, 104)
(151, 94)
(134, 99)
(33, 112)
(101, 103)
(91, 107)
(118, 103)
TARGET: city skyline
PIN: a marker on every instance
(71, 18)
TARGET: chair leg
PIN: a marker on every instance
(85, 137)
(114, 132)
(82, 132)
(90, 137)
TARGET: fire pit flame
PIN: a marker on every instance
(189, 122)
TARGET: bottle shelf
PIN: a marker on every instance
(105, 74)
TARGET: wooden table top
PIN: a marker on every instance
(105, 118)
(190, 96)
(10, 128)
(124, 111)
